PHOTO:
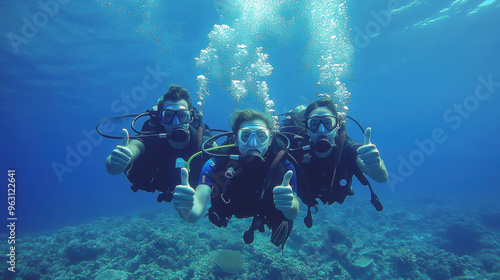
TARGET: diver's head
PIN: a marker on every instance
(253, 132)
(176, 114)
(321, 121)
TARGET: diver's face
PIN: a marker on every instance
(175, 115)
(253, 138)
(322, 125)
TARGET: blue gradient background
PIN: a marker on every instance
(65, 79)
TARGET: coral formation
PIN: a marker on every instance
(406, 260)
(363, 262)
(230, 261)
(394, 244)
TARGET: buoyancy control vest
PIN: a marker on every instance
(155, 169)
(244, 194)
(330, 179)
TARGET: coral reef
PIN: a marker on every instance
(230, 261)
(463, 239)
(406, 260)
(491, 220)
(408, 240)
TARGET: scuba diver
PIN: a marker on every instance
(171, 134)
(330, 159)
(238, 181)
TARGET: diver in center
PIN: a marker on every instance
(253, 180)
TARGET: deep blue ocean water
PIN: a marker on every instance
(66, 65)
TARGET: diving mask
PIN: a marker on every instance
(328, 122)
(253, 140)
(176, 118)
(255, 135)
(184, 116)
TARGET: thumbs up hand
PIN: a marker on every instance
(283, 195)
(368, 153)
(189, 203)
(121, 155)
(184, 194)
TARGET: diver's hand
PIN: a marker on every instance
(120, 156)
(189, 203)
(369, 160)
(184, 194)
(368, 153)
(283, 195)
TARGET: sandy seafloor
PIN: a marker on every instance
(421, 238)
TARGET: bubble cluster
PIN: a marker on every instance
(264, 21)
(331, 49)
(202, 92)
(263, 95)
(236, 67)
(234, 57)
(328, 52)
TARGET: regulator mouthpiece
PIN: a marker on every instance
(179, 135)
(322, 145)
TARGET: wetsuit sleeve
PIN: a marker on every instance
(150, 146)
(205, 179)
(353, 145)
(293, 181)
(351, 150)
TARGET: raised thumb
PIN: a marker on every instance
(368, 135)
(184, 176)
(125, 137)
(287, 178)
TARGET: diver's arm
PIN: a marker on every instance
(369, 161)
(137, 148)
(190, 204)
(377, 173)
(124, 154)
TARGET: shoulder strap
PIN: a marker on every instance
(269, 176)
(338, 154)
(257, 222)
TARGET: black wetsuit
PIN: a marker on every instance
(239, 196)
(320, 171)
(155, 169)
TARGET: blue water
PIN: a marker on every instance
(59, 81)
